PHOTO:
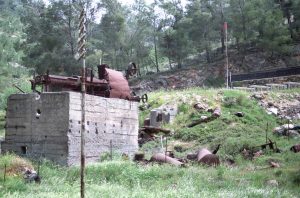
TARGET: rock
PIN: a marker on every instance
(258, 96)
(210, 110)
(203, 117)
(191, 156)
(282, 130)
(270, 104)
(258, 153)
(239, 114)
(31, 175)
(200, 106)
(292, 133)
(272, 110)
(273, 183)
(295, 148)
(139, 156)
(274, 165)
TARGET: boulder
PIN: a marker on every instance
(273, 183)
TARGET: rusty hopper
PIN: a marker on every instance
(109, 84)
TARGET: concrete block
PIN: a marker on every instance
(49, 125)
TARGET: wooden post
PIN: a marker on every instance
(111, 153)
(4, 176)
(267, 132)
(82, 52)
(288, 130)
(166, 149)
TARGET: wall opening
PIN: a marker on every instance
(38, 114)
(24, 150)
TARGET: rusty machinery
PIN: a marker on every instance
(110, 83)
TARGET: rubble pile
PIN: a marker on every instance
(285, 106)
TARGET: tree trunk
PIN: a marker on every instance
(222, 32)
(170, 64)
(155, 54)
(70, 29)
(207, 54)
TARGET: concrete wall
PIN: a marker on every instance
(49, 126)
(36, 126)
(110, 122)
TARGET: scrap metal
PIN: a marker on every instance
(110, 84)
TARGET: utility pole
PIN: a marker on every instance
(226, 53)
(81, 55)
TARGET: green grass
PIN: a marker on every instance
(126, 179)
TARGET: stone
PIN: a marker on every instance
(258, 96)
(239, 114)
(281, 130)
(274, 165)
(273, 183)
(203, 117)
(272, 110)
(200, 106)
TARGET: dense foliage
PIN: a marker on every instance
(42, 34)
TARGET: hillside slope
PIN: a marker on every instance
(197, 72)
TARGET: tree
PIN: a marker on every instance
(11, 38)
(51, 36)
(175, 40)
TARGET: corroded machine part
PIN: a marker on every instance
(110, 84)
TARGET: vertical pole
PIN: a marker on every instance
(82, 145)
(226, 53)
(83, 91)
(267, 132)
(230, 83)
(288, 130)
(166, 149)
(4, 176)
(111, 154)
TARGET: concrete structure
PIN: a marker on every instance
(163, 114)
(48, 125)
(275, 86)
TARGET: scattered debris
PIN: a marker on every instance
(239, 114)
(230, 162)
(274, 164)
(201, 106)
(162, 158)
(139, 156)
(254, 152)
(191, 156)
(215, 114)
(258, 154)
(204, 156)
(31, 175)
(295, 148)
(286, 130)
(258, 96)
(216, 149)
(151, 131)
(272, 145)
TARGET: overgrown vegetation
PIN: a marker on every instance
(121, 178)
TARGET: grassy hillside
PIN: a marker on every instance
(123, 178)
